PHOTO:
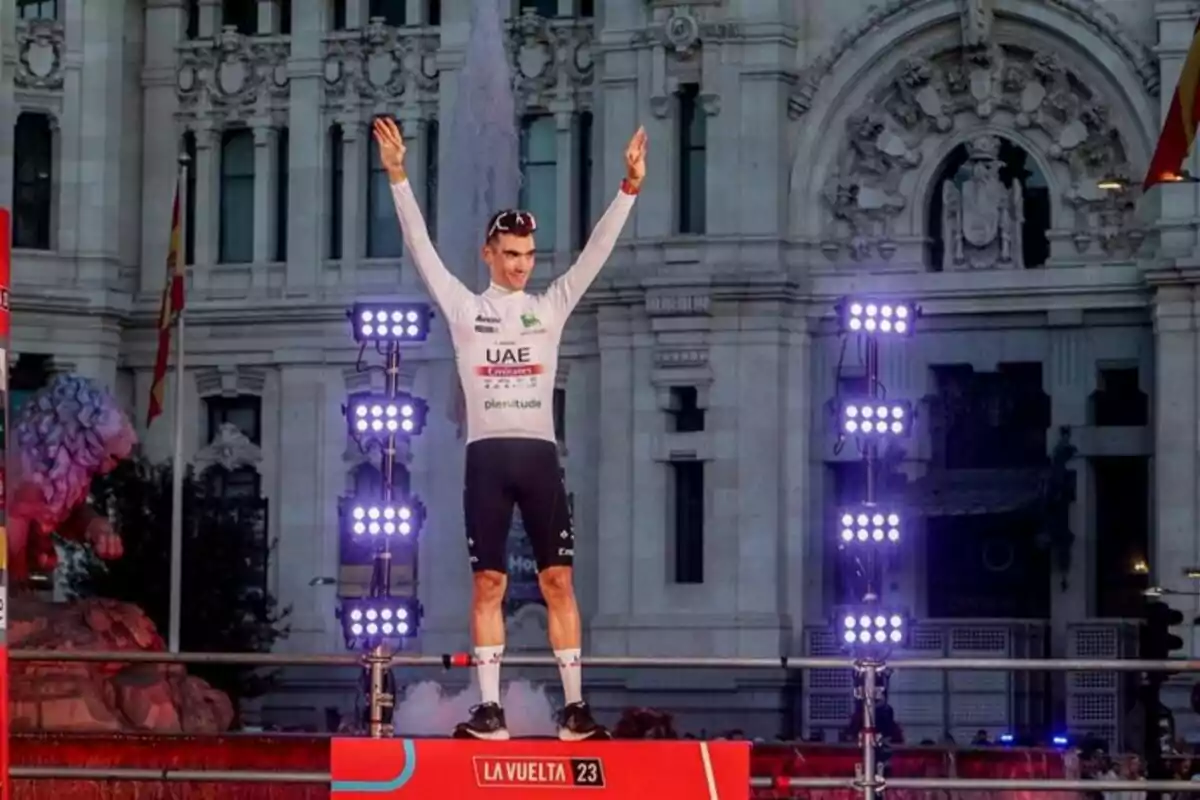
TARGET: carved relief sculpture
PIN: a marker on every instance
(997, 87)
(66, 434)
(981, 221)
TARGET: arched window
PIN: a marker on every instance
(978, 177)
(383, 231)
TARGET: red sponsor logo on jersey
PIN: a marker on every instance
(509, 362)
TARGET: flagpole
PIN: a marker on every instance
(177, 467)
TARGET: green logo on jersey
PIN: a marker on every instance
(530, 320)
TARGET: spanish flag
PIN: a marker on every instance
(1179, 131)
(172, 306)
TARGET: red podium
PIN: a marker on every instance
(374, 769)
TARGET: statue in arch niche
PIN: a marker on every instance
(981, 220)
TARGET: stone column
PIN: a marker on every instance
(354, 168)
(210, 16)
(567, 174)
(268, 17)
(266, 142)
(160, 140)
(8, 106)
(802, 516)
(308, 407)
(1174, 544)
(204, 216)
(307, 143)
(1179, 203)
(615, 512)
(1069, 380)
(69, 134)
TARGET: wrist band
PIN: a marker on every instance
(628, 188)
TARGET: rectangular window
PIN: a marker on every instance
(539, 175)
(432, 155)
(243, 411)
(285, 17)
(237, 197)
(336, 157)
(688, 479)
(583, 206)
(587, 8)
(282, 157)
(692, 157)
(433, 13)
(391, 11)
(33, 182)
(383, 230)
(37, 9)
(339, 15)
(189, 190)
(241, 14)
(685, 408)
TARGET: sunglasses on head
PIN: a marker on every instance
(509, 221)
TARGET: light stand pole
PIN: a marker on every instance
(383, 420)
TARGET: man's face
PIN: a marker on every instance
(510, 260)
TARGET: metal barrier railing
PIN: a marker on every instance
(868, 781)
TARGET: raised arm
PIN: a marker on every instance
(566, 291)
(447, 291)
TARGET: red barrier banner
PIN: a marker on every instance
(375, 769)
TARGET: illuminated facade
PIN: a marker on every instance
(944, 149)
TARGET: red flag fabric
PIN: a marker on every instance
(172, 305)
(1179, 130)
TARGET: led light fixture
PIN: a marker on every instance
(872, 627)
(375, 416)
(364, 521)
(391, 322)
(877, 317)
(880, 418)
(868, 525)
(375, 619)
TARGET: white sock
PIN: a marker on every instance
(488, 670)
(570, 668)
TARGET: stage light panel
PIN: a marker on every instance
(391, 322)
(878, 418)
(375, 415)
(371, 620)
(366, 521)
(877, 317)
(873, 627)
(863, 525)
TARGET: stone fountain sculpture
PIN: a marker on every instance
(66, 434)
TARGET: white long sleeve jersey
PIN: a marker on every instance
(506, 343)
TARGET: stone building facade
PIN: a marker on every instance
(948, 151)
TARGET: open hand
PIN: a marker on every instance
(391, 148)
(635, 158)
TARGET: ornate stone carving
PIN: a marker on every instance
(977, 17)
(975, 20)
(232, 75)
(39, 55)
(230, 449)
(673, 304)
(381, 63)
(929, 99)
(552, 59)
(981, 221)
(678, 38)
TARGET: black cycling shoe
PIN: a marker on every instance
(486, 722)
(575, 724)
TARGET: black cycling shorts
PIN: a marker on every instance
(502, 473)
